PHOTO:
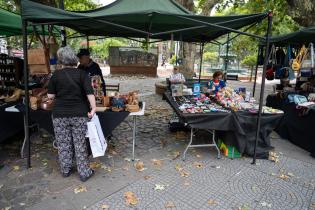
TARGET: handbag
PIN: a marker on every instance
(97, 140)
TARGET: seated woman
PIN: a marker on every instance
(177, 77)
(216, 84)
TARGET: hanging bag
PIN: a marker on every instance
(38, 58)
(270, 75)
(96, 137)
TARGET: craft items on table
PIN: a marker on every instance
(97, 87)
(193, 104)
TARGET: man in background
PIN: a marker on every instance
(91, 67)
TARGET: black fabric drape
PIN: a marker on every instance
(296, 128)
(11, 123)
(235, 128)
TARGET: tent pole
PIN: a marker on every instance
(256, 69)
(262, 85)
(201, 55)
(87, 42)
(62, 28)
(227, 56)
(26, 101)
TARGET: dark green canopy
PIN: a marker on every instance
(155, 19)
(303, 36)
(10, 23)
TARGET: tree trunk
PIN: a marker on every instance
(302, 11)
(189, 52)
(208, 6)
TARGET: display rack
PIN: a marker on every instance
(10, 68)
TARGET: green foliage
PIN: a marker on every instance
(249, 60)
(101, 49)
(210, 57)
(172, 60)
(80, 5)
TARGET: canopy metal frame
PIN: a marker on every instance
(148, 34)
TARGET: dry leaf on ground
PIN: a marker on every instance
(160, 187)
(283, 176)
(147, 177)
(104, 206)
(175, 155)
(273, 157)
(198, 156)
(127, 159)
(265, 204)
(139, 166)
(157, 162)
(95, 165)
(170, 204)
(179, 167)
(187, 183)
(130, 199)
(16, 168)
(198, 165)
(290, 174)
(184, 174)
(80, 189)
(313, 205)
(212, 202)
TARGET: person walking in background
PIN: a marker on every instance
(91, 67)
(74, 104)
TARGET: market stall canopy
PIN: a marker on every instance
(11, 25)
(155, 19)
(303, 36)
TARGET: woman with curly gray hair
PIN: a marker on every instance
(74, 103)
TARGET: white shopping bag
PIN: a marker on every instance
(96, 137)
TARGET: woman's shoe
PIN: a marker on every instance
(67, 174)
(84, 179)
(16, 96)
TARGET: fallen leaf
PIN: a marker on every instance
(95, 165)
(130, 199)
(313, 205)
(184, 174)
(16, 168)
(254, 189)
(212, 202)
(147, 177)
(157, 162)
(80, 189)
(160, 187)
(273, 157)
(175, 155)
(104, 206)
(139, 166)
(198, 156)
(169, 205)
(290, 174)
(198, 165)
(187, 183)
(265, 204)
(179, 167)
(283, 176)
(127, 159)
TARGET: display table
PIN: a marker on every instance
(10, 123)
(109, 121)
(234, 128)
(296, 128)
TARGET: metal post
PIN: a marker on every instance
(256, 69)
(227, 56)
(201, 55)
(134, 136)
(262, 85)
(26, 101)
(87, 42)
(219, 53)
(63, 34)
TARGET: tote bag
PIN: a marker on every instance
(96, 137)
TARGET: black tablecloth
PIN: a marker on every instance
(11, 123)
(235, 128)
(296, 128)
(109, 120)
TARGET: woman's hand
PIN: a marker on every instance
(91, 113)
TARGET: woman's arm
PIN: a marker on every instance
(91, 99)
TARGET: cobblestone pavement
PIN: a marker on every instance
(164, 181)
